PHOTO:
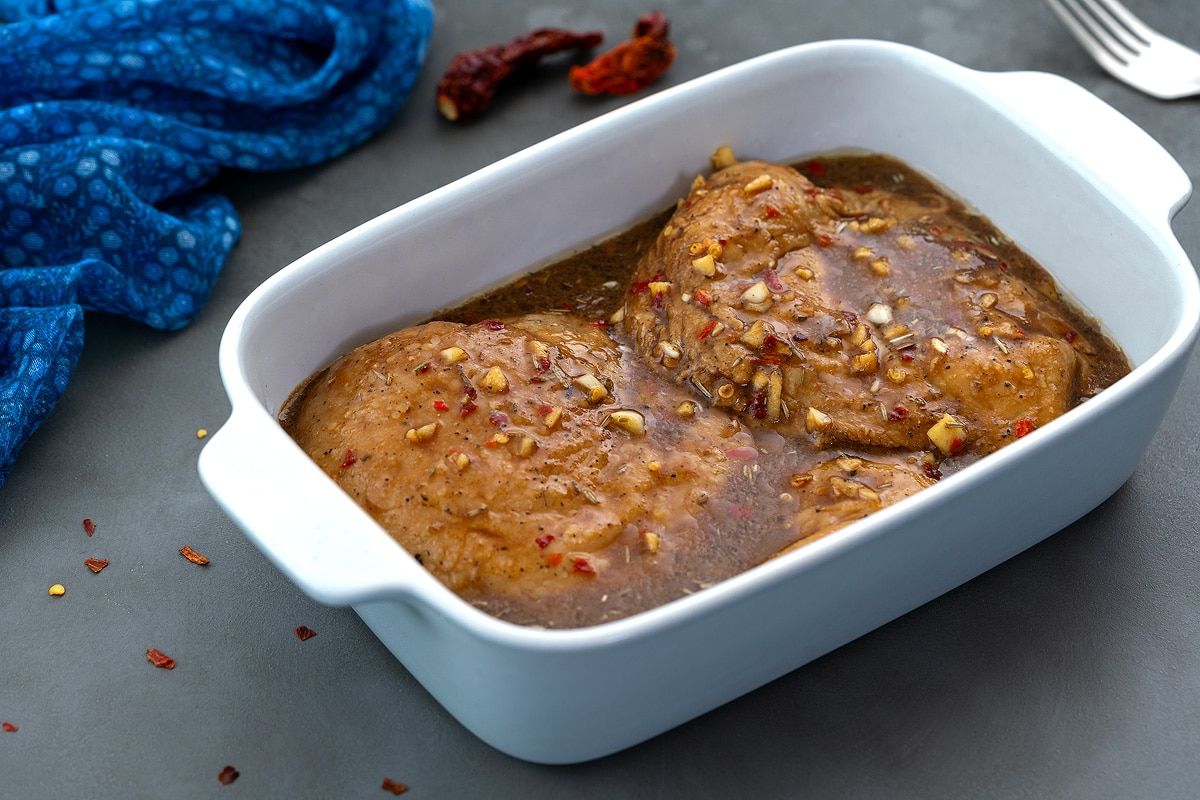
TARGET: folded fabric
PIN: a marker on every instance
(115, 114)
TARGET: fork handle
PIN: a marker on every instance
(1105, 146)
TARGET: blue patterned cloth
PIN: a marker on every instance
(113, 117)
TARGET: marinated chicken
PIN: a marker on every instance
(512, 457)
(858, 318)
(787, 351)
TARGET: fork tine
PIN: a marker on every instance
(1126, 18)
(1093, 19)
(1085, 36)
(1117, 27)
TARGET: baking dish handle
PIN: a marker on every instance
(1099, 141)
(276, 506)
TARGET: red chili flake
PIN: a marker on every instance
(708, 329)
(932, 472)
(498, 418)
(228, 775)
(304, 633)
(656, 300)
(492, 324)
(95, 564)
(8, 727)
(466, 408)
(758, 405)
(598, 323)
(1004, 266)
(566, 306)
(544, 541)
(906, 356)
(191, 555)
(772, 211)
(543, 363)
(956, 446)
(864, 189)
(392, 786)
(349, 460)
(554, 559)
(1022, 427)
(771, 278)
(1070, 336)
(815, 167)
(89, 527)
(740, 512)
(703, 297)
(440, 405)
(898, 413)
(824, 240)
(469, 85)
(160, 659)
(544, 409)
(632, 64)
(935, 230)
(583, 566)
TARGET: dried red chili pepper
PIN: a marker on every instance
(160, 659)
(631, 65)
(8, 727)
(89, 526)
(349, 460)
(95, 564)
(1022, 427)
(304, 633)
(228, 775)
(469, 85)
(392, 786)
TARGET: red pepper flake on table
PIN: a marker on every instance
(160, 659)
(394, 787)
(469, 85)
(631, 65)
(304, 633)
(8, 727)
(95, 564)
(228, 775)
(89, 527)
(191, 555)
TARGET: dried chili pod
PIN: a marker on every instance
(631, 65)
(470, 83)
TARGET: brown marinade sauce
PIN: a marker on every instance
(595, 282)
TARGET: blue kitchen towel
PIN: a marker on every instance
(115, 114)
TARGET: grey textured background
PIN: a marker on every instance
(1072, 671)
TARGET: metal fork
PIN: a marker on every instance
(1129, 49)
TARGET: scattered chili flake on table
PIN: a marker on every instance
(191, 555)
(631, 65)
(392, 786)
(8, 727)
(89, 527)
(228, 775)
(304, 633)
(95, 564)
(469, 85)
(160, 659)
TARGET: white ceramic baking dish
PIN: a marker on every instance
(1079, 186)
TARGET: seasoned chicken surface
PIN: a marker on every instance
(516, 456)
(859, 319)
